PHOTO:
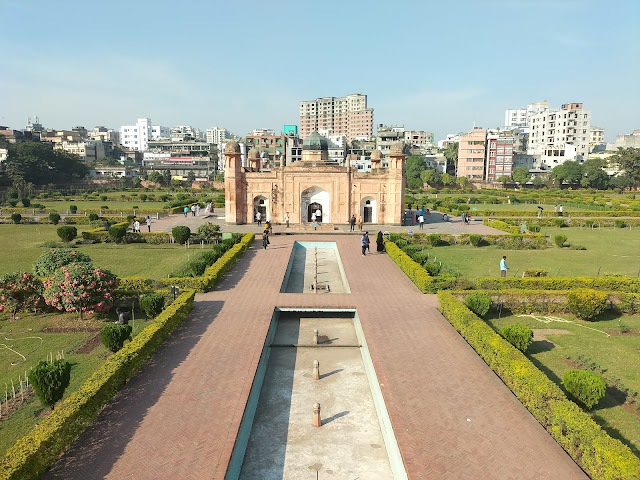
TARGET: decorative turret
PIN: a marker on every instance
(254, 159)
(376, 159)
(234, 189)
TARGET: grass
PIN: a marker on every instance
(599, 255)
(22, 244)
(31, 325)
(619, 355)
(61, 206)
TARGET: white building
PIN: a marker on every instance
(136, 137)
(556, 136)
(186, 132)
(520, 117)
(217, 135)
(268, 132)
(451, 138)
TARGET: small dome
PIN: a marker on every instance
(253, 153)
(397, 149)
(376, 155)
(315, 141)
(232, 147)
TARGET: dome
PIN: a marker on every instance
(376, 155)
(315, 141)
(397, 149)
(232, 147)
(253, 153)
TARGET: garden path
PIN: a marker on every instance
(179, 416)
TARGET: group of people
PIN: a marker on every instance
(195, 210)
(466, 218)
(136, 225)
(557, 211)
(352, 223)
(365, 243)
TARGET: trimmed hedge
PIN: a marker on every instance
(601, 456)
(100, 234)
(139, 284)
(586, 386)
(213, 273)
(500, 225)
(534, 213)
(615, 283)
(39, 449)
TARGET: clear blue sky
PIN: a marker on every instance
(430, 65)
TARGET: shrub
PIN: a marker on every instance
(54, 218)
(421, 256)
(619, 223)
(586, 386)
(26, 203)
(12, 202)
(559, 222)
(80, 288)
(208, 231)
(50, 380)
(475, 239)
(143, 197)
(559, 240)
(47, 263)
(518, 335)
(152, 304)
(73, 208)
(103, 198)
(535, 272)
(198, 266)
(93, 217)
(432, 267)
(534, 228)
(16, 218)
(19, 291)
(181, 234)
(114, 335)
(434, 239)
(478, 303)
(67, 233)
(585, 303)
(117, 232)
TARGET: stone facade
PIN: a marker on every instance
(312, 184)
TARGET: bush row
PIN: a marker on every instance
(534, 213)
(579, 222)
(213, 274)
(101, 235)
(510, 242)
(614, 283)
(500, 225)
(601, 456)
(138, 284)
(40, 448)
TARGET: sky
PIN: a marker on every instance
(429, 65)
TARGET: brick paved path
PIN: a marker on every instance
(178, 417)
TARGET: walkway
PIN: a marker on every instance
(178, 417)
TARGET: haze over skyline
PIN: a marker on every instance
(248, 64)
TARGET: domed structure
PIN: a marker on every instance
(253, 153)
(397, 149)
(315, 141)
(232, 147)
(376, 155)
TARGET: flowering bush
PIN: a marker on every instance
(19, 291)
(208, 231)
(47, 263)
(80, 288)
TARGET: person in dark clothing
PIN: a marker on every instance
(265, 238)
(380, 242)
(352, 223)
(123, 316)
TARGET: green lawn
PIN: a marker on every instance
(22, 244)
(607, 249)
(619, 355)
(61, 206)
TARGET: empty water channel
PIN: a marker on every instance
(315, 410)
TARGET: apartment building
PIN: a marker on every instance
(186, 132)
(217, 135)
(271, 148)
(596, 136)
(137, 137)
(348, 116)
(471, 154)
(418, 138)
(520, 117)
(499, 156)
(387, 136)
(556, 136)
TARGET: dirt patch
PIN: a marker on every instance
(615, 332)
(539, 333)
(8, 408)
(86, 329)
(90, 345)
(571, 363)
(632, 410)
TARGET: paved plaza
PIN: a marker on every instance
(179, 416)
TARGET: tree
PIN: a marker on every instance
(220, 177)
(431, 177)
(462, 181)
(181, 234)
(155, 177)
(50, 380)
(628, 159)
(47, 263)
(80, 288)
(622, 181)
(451, 153)
(191, 177)
(67, 233)
(414, 167)
(19, 291)
(166, 178)
(521, 175)
(38, 163)
(503, 179)
(569, 172)
(447, 179)
(538, 181)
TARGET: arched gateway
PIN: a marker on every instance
(315, 199)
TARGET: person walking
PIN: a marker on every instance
(360, 222)
(503, 266)
(136, 226)
(560, 210)
(259, 218)
(363, 244)
(318, 215)
(380, 242)
(313, 217)
(149, 223)
(286, 219)
(555, 210)
(366, 234)
(198, 210)
(265, 238)
(186, 210)
(193, 210)
(540, 209)
(352, 223)
(421, 221)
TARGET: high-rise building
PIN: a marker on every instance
(471, 154)
(217, 135)
(556, 136)
(519, 118)
(136, 137)
(499, 156)
(348, 116)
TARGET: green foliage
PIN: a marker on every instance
(67, 233)
(152, 304)
(143, 197)
(475, 239)
(19, 291)
(38, 163)
(50, 380)
(628, 160)
(117, 232)
(181, 234)
(535, 272)
(534, 228)
(500, 225)
(559, 222)
(518, 335)
(54, 218)
(114, 335)
(478, 303)
(586, 386)
(586, 304)
(16, 218)
(432, 268)
(414, 166)
(504, 179)
(198, 266)
(73, 208)
(220, 177)
(208, 231)
(47, 263)
(434, 239)
(93, 217)
(26, 203)
(620, 284)
(559, 240)
(521, 175)
(446, 179)
(619, 223)
(569, 172)
(431, 177)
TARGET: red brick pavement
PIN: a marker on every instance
(179, 416)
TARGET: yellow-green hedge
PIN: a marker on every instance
(40, 448)
(534, 213)
(99, 234)
(213, 273)
(418, 275)
(615, 283)
(139, 284)
(601, 456)
(500, 225)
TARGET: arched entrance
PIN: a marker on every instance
(316, 208)
(314, 199)
(368, 210)
(261, 204)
